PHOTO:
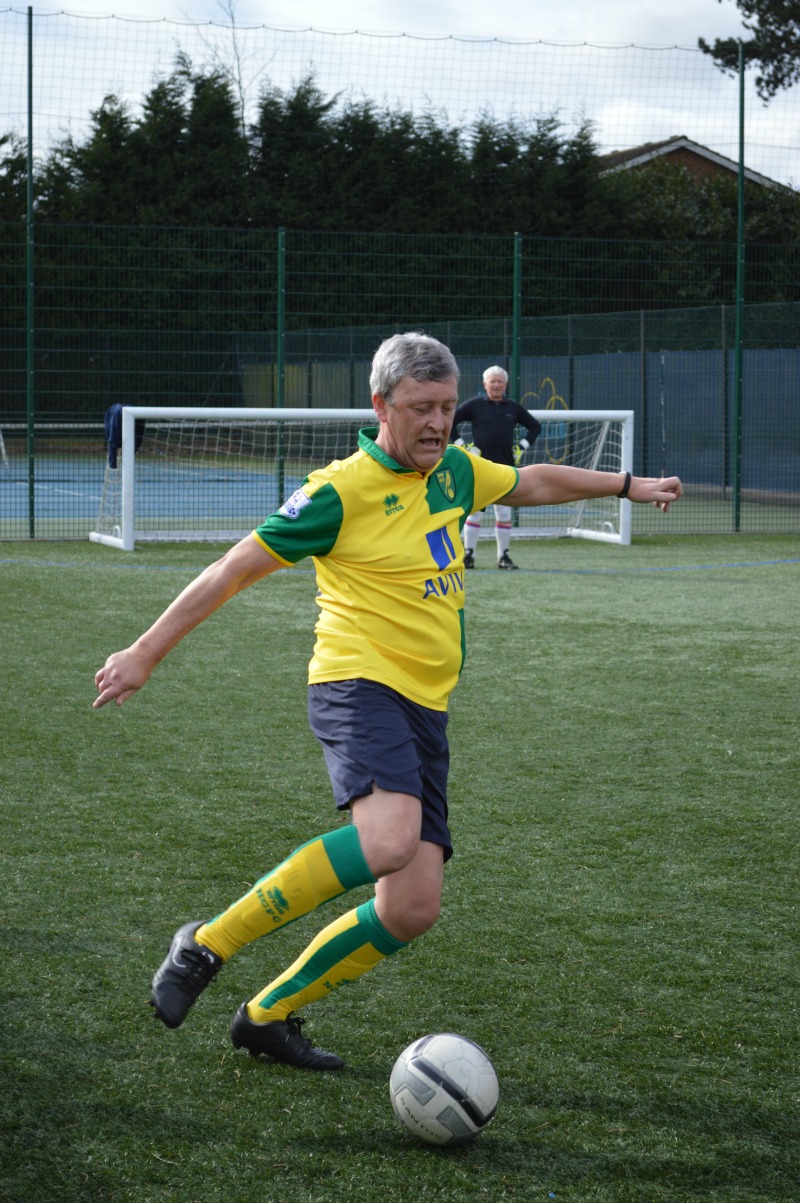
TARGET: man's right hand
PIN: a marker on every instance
(122, 675)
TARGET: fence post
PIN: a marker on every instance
(516, 320)
(280, 348)
(724, 392)
(738, 383)
(30, 364)
(280, 322)
(644, 432)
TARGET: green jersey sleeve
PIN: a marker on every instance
(308, 524)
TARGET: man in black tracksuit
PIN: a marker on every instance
(493, 419)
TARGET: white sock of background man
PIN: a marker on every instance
(472, 528)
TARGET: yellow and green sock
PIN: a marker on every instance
(345, 950)
(314, 873)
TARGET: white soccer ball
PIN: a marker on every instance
(444, 1088)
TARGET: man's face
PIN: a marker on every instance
(415, 429)
(495, 386)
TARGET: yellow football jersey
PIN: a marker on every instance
(386, 545)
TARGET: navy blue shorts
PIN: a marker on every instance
(370, 733)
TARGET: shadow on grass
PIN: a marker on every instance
(102, 1103)
(69, 1135)
(89, 1119)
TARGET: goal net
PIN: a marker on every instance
(214, 474)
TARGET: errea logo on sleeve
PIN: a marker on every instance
(292, 507)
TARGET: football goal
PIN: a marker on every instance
(214, 474)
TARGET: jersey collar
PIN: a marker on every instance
(366, 443)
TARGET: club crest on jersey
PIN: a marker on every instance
(292, 507)
(446, 483)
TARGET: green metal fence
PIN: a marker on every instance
(154, 316)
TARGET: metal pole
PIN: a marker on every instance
(280, 367)
(738, 384)
(516, 361)
(30, 394)
(645, 431)
(723, 393)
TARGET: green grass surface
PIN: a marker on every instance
(620, 920)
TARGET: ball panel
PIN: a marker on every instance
(453, 1122)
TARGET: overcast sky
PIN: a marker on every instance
(614, 22)
(508, 57)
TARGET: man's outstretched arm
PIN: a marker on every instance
(555, 484)
(127, 671)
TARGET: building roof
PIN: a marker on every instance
(690, 153)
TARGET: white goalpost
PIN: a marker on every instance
(212, 475)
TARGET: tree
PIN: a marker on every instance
(289, 143)
(13, 178)
(92, 181)
(183, 162)
(665, 202)
(774, 46)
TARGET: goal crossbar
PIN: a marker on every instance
(212, 474)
